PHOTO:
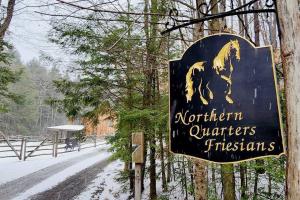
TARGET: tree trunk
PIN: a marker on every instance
(289, 20)
(241, 28)
(227, 172)
(168, 164)
(144, 165)
(243, 173)
(213, 178)
(198, 27)
(200, 177)
(184, 178)
(256, 26)
(255, 185)
(152, 169)
(214, 25)
(246, 21)
(190, 167)
(163, 170)
(269, 185)
(200, 167)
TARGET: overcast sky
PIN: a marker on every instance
(28, 29)
(28, 32)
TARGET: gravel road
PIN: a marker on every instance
(14, 188)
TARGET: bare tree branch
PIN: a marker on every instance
(10, 10)
(113, 12)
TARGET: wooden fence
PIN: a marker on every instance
(23, 147)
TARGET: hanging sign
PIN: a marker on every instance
(224, 104)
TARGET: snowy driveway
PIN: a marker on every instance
(73, 185)
(62, 180)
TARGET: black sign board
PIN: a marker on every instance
(223, 101)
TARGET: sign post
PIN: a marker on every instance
(224, 104)
(138, 159)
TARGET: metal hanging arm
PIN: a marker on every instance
(174, 22)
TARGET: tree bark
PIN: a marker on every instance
(227, 171)
(214, 25)
(289, 20)
(213, 178)
(152, 169)
(200, 177)
(168, 164)
(9, 14)
(200, 167)
(243, 173)
(163, 170)
(246, 21)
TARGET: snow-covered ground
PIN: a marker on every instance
(105, 186)
(62, 175)
(12, 168)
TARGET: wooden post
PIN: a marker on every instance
(55, 145)
(95, 141)
(23, 149)
(138, 159)
(289, 21)
(79, 145)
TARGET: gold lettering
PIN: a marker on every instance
(271, 148)
(260, 145)
(223, 145)
(213, 116)
(250, 146)
(228, 146)
(245, 129)
(182, 118)
(230, 130)
(252, 130)
(197, 132)
(215, 132)
(217, 145)
(237, 131)
(191, 118)
(198, 117)
(206, 117)
(238, 116)
(236, 146)
(209, 145)
(222, 130)
(205, 131)
(242, 145)
(228, 115)
(221, 117)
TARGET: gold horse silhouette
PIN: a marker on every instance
(219, 66)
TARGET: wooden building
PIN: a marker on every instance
(105, 126)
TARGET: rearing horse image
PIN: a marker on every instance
(222, 66)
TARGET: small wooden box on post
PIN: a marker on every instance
(138, 159)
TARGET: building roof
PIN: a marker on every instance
(67, 128)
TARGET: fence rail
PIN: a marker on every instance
(24, 147)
